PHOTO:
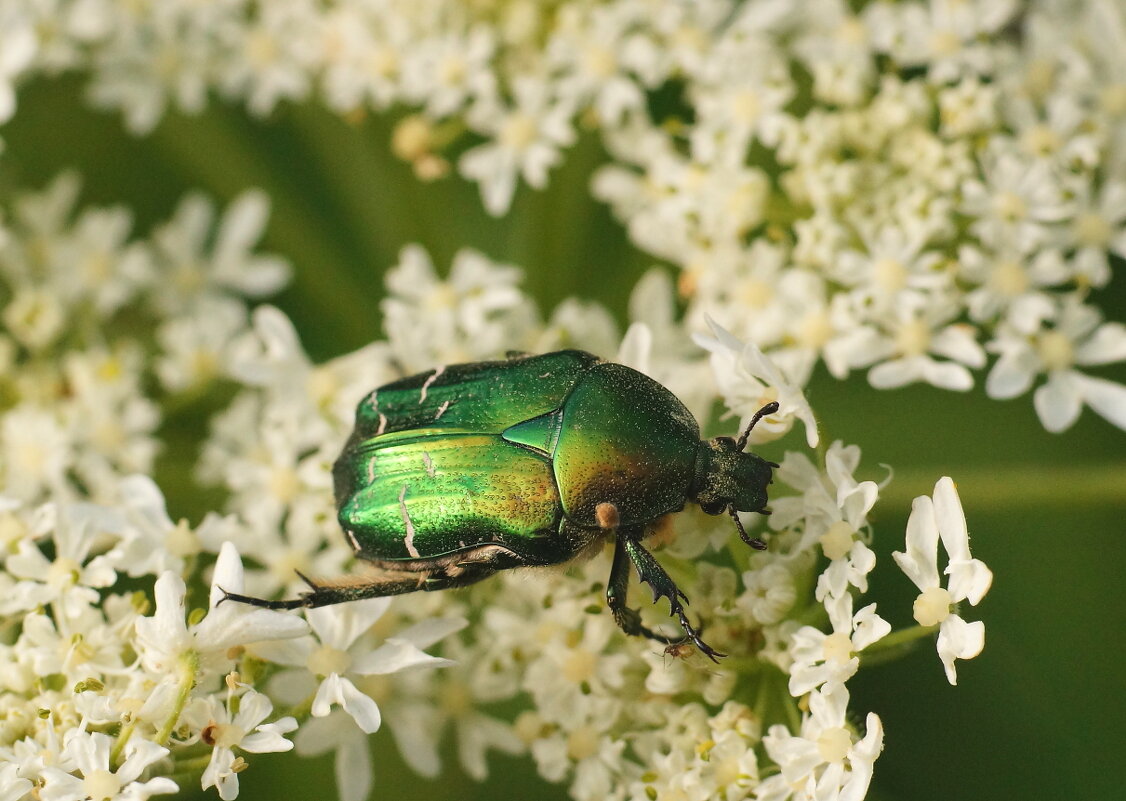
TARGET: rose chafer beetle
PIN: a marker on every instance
(453, 474)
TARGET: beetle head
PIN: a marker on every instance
(727, 477)
(730, 479)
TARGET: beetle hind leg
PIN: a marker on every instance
(626, 550)
(355, 588)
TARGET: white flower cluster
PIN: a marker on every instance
(109, 692)
(117, 672)
(611, 716)
(901, 188)
(904, 189)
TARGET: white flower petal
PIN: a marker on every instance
(361, 707)
(958, 639)
(328, 694)
(969, 580)
(341, 625)
(869, 627)
(895, 373)
(919, 561)
(1011, 375)
(427, 632)
(394, 655)
(948, 375)
(353, 769)
(951, 520)
(1058, 402)
(1106, 346)
(1106, 397)
(270, 737)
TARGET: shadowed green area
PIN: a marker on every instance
(1034, 717)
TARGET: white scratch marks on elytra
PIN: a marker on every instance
(442, 409)
(352, 539)
(408, 540)
(382, 424)
(428, 463)
(426, 384)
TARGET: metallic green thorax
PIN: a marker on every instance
(453, 474)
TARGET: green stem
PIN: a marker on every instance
(122, 740)
(900, 638)
(192, 765)
(189, 665)
(894, 645)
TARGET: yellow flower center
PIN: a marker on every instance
(932, 606)
(837, 541)
(101, 785)
(1092, 230)
(327, 660)
(1009, 206)
(913, 338)
(1009, 278)
(814, 330)
(518, 131)
(1040, 140)
(889, 274)
(1056, 351)
(579, 666)
(837, 648)
(756, 294)
(582, 743)
(833, 744)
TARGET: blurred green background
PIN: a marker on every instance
(1039, 715)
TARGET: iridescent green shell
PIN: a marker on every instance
(516, 454)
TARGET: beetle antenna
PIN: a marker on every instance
(769, 408)
(754, 542)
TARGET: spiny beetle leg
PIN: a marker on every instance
(397, 583)
(629, 620)
(650, 572)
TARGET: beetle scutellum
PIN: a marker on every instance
(453, 474)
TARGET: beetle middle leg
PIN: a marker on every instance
(628, 549)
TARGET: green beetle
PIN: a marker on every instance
(453, 474)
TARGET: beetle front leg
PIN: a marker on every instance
(629, 549)
(629, 620)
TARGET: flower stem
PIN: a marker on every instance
(189, 665)
(894, 645)
(121, 741)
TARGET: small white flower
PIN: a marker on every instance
(224, 731)
(820, 657)
(18, 47)
(340, 651)
(749, 380)
(339, 733)
(195, 256)
(824, 762)
(12, 786)
(526, 141)
(916, 328)
(1077, 338)
(164, 640)
(99, 779)
(969, 578)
